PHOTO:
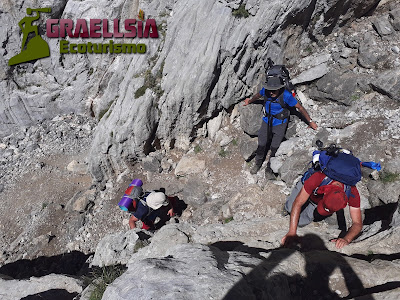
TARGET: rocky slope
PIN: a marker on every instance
(194, 140)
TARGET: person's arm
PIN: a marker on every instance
(304, 112)
(247, 101)
(170, 208)
(354, 230)
(132, 222)
(300, 200)
(171, 212)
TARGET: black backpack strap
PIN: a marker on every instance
(144, 203)
(285, 113)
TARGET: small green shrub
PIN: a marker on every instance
(140, 244)
(140, 91)
(309, 50)
(102, 278)
(44, 205)
(164, 14)
(150, 81)
(227, 220)
(104, 111)
(240, 12)
(223, 152)
(387, 177)
(355, 97)
(197, 149)
(234, 142)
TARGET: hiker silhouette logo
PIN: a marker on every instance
(35, 47)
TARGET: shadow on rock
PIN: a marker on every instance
(382, 213)
(178, 205)
(51, 295)
(266, 281)
(73, 263)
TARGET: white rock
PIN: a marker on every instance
(189, 165)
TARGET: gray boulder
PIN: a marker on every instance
(151, 164)
(167, 237)
(368, 57)
(247, 146)
(336, 86)
(189, 165)
(37, 288)
(384, 192)
(294, 166)
(311, 74)
(383, 26)
(251, 118)
(394, 17)
(388, 83)
(116, 248)
(229, 271)
(194, 192)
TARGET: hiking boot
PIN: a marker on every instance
(255, 168)
(269, 174)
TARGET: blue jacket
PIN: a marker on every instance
(276, 108)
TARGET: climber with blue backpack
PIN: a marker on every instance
(325, 188)
(278, 93)
(146, 206)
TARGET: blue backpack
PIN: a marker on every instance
(343, 167)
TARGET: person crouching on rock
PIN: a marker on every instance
(312, 202)
(148, 208)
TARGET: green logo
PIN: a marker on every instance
(36, 47)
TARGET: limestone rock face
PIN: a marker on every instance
(193, 271)
(231, 52)
(116, 249)
(47, 286)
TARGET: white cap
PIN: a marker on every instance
(156, 199)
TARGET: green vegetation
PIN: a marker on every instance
(104, 111)
(102, 278)
(90, 71)
(44, 205)
(223, 153)
(227, 220)
(355, 97)
(140, 91)
(387, 177)
(151, 81)
(234, 142)
(309, 49)
(140, 244)
(240, 12)
(162, 28)
(197, 149)
(164, 14)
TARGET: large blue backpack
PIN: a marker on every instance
(342, 167)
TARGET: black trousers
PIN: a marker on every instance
(269, 139)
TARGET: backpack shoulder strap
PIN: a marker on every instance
(347, 190)
(324, 181)
(281, 101)
(327, 180)
(144, 203)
